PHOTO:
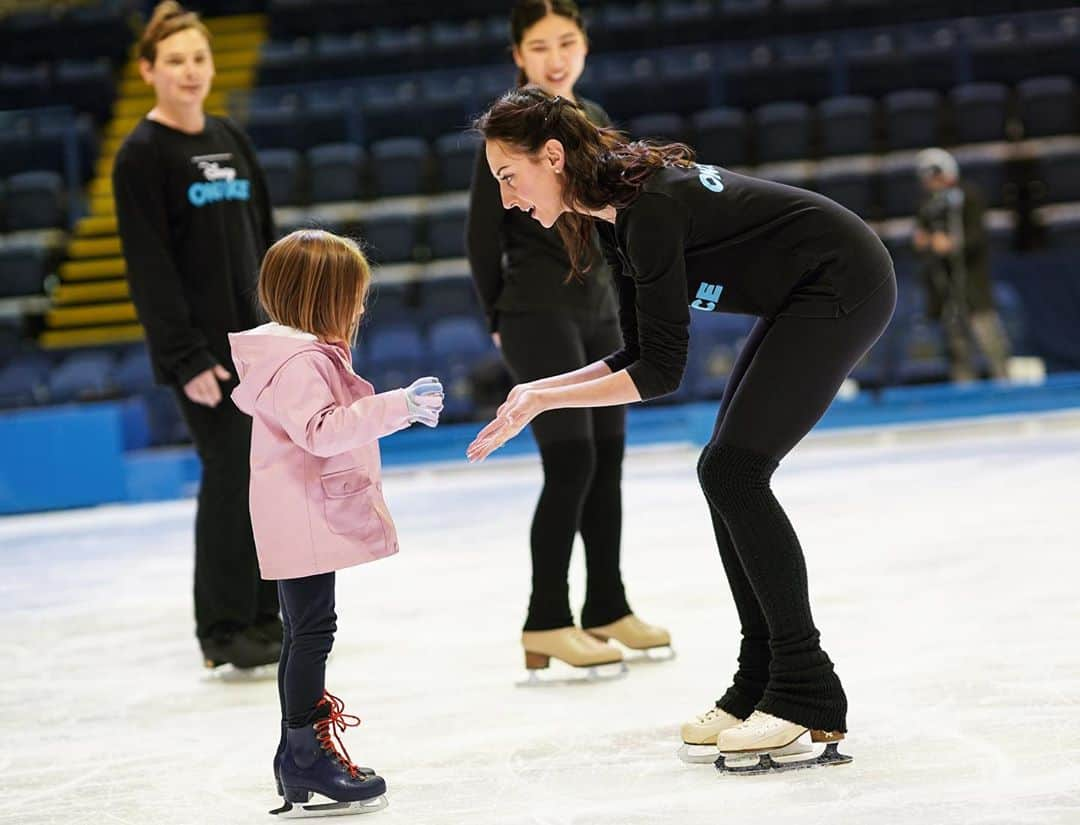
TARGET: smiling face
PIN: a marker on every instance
(182, 70)
(532, 184)
(552, 54)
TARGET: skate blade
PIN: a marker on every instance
(752, 764)
(707, 754)
(307, 810)
(583, 676)
(232, 674)
(649, 655)
(698, 754)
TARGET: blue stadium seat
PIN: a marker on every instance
(22, 268)
(1058, 167)
(391, 235)
(399, 166)
(458, 345)
(847, 125)
(335, 172)
(721, 136)
(86, 86)
(980, 111)
(446, 231)
(1048, 106)
(985, 168)
(23, 381)
(456, 154)
(284, 62)
(392, 354)
(35, 200)
(912, 119)
(899, 186)
(322, 122)
(282, 170)
(451, 294)
(133, 374)
(83, 376)
(628, 86)
(876, 63)
(389, 302)
(849, 182)
(715, 341)
(665, 126)
(275, 127)
(685, 81)
(627, 27)
(783, 131)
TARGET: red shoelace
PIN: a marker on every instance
(328, 730)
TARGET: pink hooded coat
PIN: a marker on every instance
(316, 493)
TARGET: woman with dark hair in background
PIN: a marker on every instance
(194, 218)
(681, 236)
(521, 271)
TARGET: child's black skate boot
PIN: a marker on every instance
(313, 764)
(240, 648)
(280, 754)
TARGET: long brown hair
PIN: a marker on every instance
(316, 282)
(602, 167)
(527, 13)
(169, 17)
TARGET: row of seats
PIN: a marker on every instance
(49, 139)
(86, 85)
(613, 23)
(33, 200)
(87, 32)
(905, 119)
(873, 186)
(811, 67)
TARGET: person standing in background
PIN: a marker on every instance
(194, 218)
(521, 272)
(951, 235)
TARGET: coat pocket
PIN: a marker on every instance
(348, 505)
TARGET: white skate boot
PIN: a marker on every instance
(761, 743)
(700, 733)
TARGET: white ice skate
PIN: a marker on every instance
(321, 806)
(699, 738)
(754, 746)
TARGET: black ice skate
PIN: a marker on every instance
(762, 744)
(280, 754)
(313, 764)
(251, 655)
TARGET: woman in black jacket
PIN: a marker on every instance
(684, 236)
(194, 219)
(521, 274)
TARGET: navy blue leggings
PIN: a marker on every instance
(309, 620)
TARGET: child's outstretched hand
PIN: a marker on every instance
(425, 399)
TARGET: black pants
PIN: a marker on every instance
(229, 593)
(783, 381)
(582, 453)
(309, 621)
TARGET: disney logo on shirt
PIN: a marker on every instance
(221, 183)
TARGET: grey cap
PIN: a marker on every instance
(931, 162)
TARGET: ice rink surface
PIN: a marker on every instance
(944, 571)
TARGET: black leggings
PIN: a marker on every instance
(582, 452)
(229, 594)
(309, 621)
(783, 381)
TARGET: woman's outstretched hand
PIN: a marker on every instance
(521, 406)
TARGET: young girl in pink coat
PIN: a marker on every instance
(316, 494)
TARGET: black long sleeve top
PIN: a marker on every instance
(709, 239)
(519, 266)
(195, 220)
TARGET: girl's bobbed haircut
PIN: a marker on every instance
(316, 282)
(168, 18)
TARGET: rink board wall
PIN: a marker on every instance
(75, 456)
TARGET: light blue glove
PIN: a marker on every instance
(424, 397)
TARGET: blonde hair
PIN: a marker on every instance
(169, 17)
(316, 282)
